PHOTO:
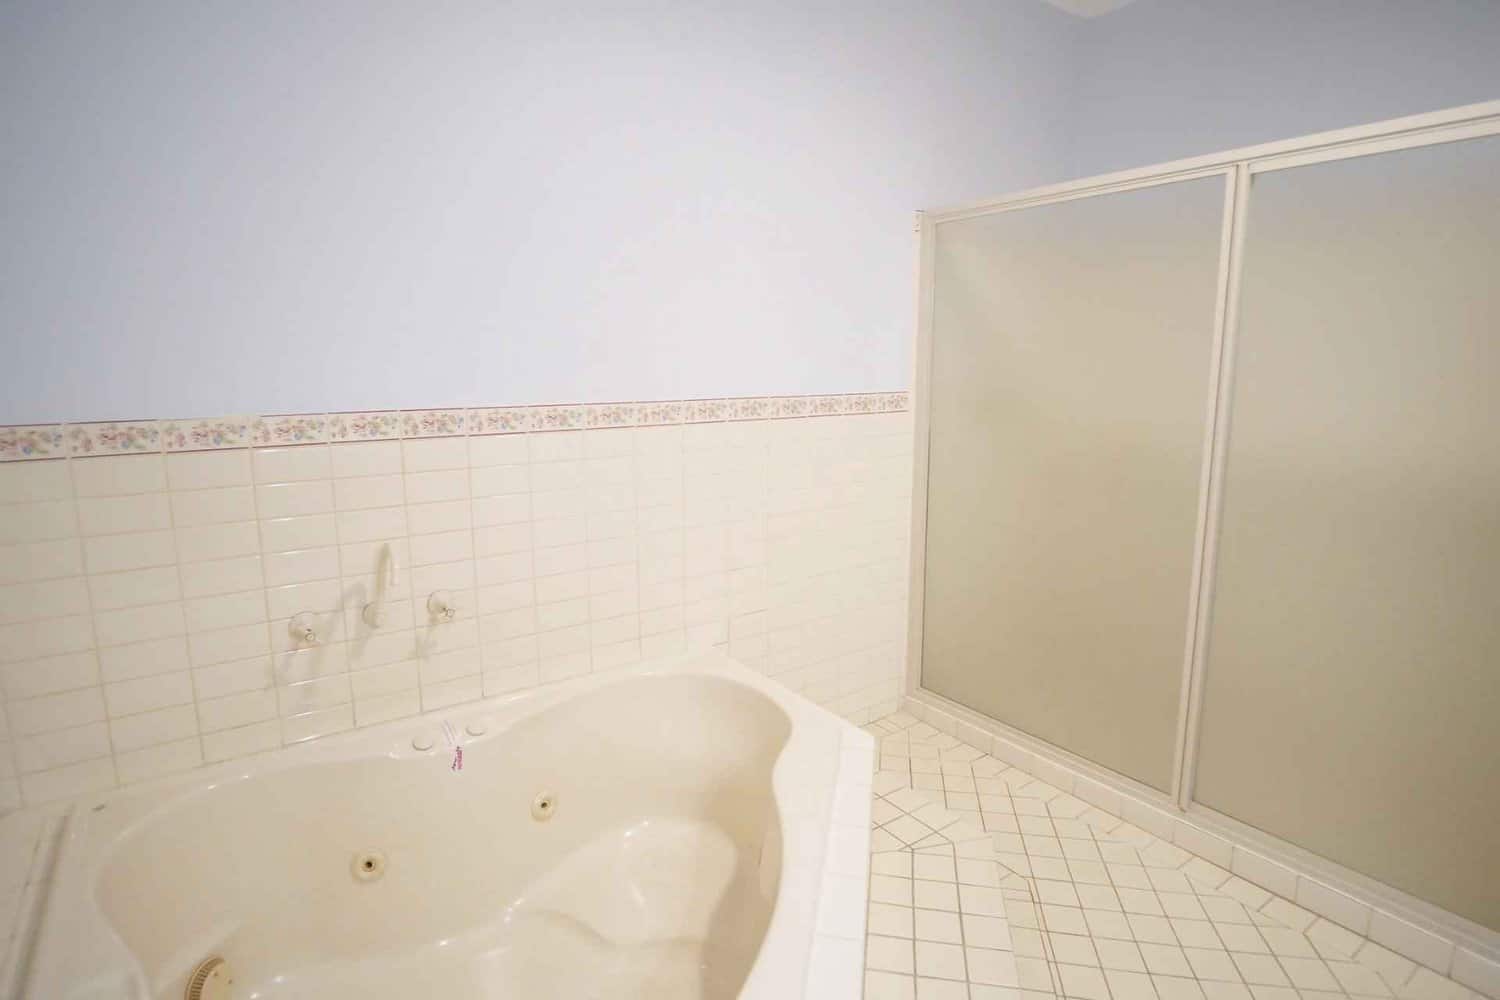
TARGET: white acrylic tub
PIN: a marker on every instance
(683, 857)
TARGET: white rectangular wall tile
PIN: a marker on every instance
(136, 550)
(299, 463)
(38, 521)
(208, 469)
(148, 728)
(61, 747)
(32, 716)
(117, 515)
(158, 760)
(69, 781)
(22, 482)
(145, 598)
(221, 576)
(212, 506)
(117, 475)
(365, 458)
(142, 659)
(216, 680)
(368, 492)
(51, 675)
(294, 499)
(110, 591)
(146, 694)
(217, 541)
(430, 454)
(40, 560)
(241, 742)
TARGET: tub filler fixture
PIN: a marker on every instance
(662, 831)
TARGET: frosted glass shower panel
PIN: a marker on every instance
(1352, 687)
(1071, 354)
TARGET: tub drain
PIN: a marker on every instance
(209, 981)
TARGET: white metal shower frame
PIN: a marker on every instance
(1237, 167)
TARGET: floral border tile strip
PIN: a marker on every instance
(750, 408)
(502, 420)
(705, 411)
(294, 428)
(661, 413)
(432, 423)
(114, 438)
(792, 406)
(19, 444)
(611, 415)
(560, 418)
(205, 434)
(373, 426)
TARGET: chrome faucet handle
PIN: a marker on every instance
(302, 630)
(440, 606)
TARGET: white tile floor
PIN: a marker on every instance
(989, 884)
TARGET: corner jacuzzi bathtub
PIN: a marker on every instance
(658, 832)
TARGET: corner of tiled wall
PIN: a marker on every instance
(148, 573)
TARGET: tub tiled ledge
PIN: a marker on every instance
(27, 840)
(836, 966)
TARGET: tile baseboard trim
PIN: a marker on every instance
(19, 443)
(1442, 941)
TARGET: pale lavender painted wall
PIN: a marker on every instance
(220, 207)
(224, 206)
(1163, 79)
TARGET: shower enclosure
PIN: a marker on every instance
(1208, 494)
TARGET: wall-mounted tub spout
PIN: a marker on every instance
(385, 581)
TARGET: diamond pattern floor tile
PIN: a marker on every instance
(990, 884)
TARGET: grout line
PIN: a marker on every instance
(260, 556)
(342, 615)
(958, 899)
(912, 860)
(88, 596)
(635, 501)
(182, 602)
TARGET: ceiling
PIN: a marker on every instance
(1088, 8)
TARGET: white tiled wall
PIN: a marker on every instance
(145, 598)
